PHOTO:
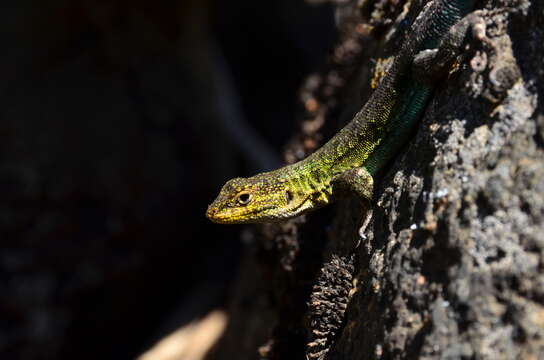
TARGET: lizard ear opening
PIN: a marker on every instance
(288, 196)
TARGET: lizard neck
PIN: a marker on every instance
(310, 182)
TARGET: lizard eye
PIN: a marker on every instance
(243, 198)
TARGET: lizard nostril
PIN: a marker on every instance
(211, 212)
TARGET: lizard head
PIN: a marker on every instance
(254, 200)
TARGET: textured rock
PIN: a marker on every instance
(451, 266)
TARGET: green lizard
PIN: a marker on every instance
(347, 162)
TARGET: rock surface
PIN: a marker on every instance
(452, 264)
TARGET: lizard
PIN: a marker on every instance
(349, 161)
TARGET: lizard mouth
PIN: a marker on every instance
(237, 216)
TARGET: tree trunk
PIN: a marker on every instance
(451, 264)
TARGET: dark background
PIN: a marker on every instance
(120, 120)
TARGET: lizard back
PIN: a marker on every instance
(388, 117)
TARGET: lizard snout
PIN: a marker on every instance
(217, 216)
(211, 212)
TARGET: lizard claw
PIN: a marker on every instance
(365, 223)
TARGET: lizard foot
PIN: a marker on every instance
(430, 64)
(364, 225)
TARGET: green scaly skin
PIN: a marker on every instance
(347, 162)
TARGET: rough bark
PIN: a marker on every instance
(451, 265)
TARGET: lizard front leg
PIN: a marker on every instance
(429, 65)
(358, 182)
